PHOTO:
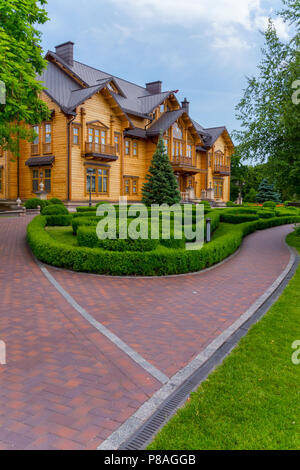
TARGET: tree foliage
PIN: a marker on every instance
(161, 186)
(21, 61)
(267, 192)
(270, 118)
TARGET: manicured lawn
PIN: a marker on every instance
(252, 400)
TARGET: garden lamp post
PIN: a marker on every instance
(90, 172)
(208, 230)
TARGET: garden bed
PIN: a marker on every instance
(159, 261)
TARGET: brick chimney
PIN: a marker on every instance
(65, 52)
(154, 87)
(186, 105)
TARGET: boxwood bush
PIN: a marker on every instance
(59, 220)
(55, 209)
(34, 202)
(87, 236)
(269, 205)
(263, 214)
(233, 218)
(158, 262)
(55, 200)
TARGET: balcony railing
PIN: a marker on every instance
(101, 149)
(222, 169)
(182, 160)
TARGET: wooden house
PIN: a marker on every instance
(102, 134)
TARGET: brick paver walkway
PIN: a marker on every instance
(65, 386)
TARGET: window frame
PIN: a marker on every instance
(76, 127)
(40, 169)
(97, 176)
(127, 147)
(133, 182)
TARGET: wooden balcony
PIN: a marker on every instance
(182, 163)
(100, 151)
(222, 170)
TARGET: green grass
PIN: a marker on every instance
(252, 400)
(63, 235)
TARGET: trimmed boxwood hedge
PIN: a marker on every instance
(58, 220)
(55, 209)
(87, 236)
(263, 214)
(233, 218)
(158, 262)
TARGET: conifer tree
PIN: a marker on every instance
(266, 192)
(161, 186)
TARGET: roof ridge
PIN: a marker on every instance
(114, 76)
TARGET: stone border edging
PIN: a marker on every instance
(145, 412)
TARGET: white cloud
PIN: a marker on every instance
(261, 22)
(192, 11)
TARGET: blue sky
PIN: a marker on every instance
(203, 48)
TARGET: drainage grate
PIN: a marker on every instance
(145, 434)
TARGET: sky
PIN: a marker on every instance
(203, 48)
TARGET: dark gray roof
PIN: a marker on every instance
(164, 122)
(132, 98)
(40, 161)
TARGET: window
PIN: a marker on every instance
(135, 149)
(41, 175)
(76, 135)
(1, 180)
(177, 131)
(127, 186)
(131, 186)
(178, 147)
(117, 142)
(103, 137)
(102, 181)
(35, 144)
(127, 147)
(189, 151)
(48, 138)
(47, 180)
(166, 142)
(218, 187)
(134, 187)
(97, 180)
(91, 181)
(35, 180)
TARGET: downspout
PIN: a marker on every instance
(69, 155)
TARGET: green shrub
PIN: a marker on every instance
(55, 201)
(86, 209)
(55, 209)
(87, 236)
(83, 221)
(297, 230)
(87, 214)
(100, 203)
(34, 202)
(269, 204)
(263, 214)
(58, 220)
(231, 204)
(158, 262)
(233, 218)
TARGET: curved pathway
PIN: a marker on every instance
(65, 384)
